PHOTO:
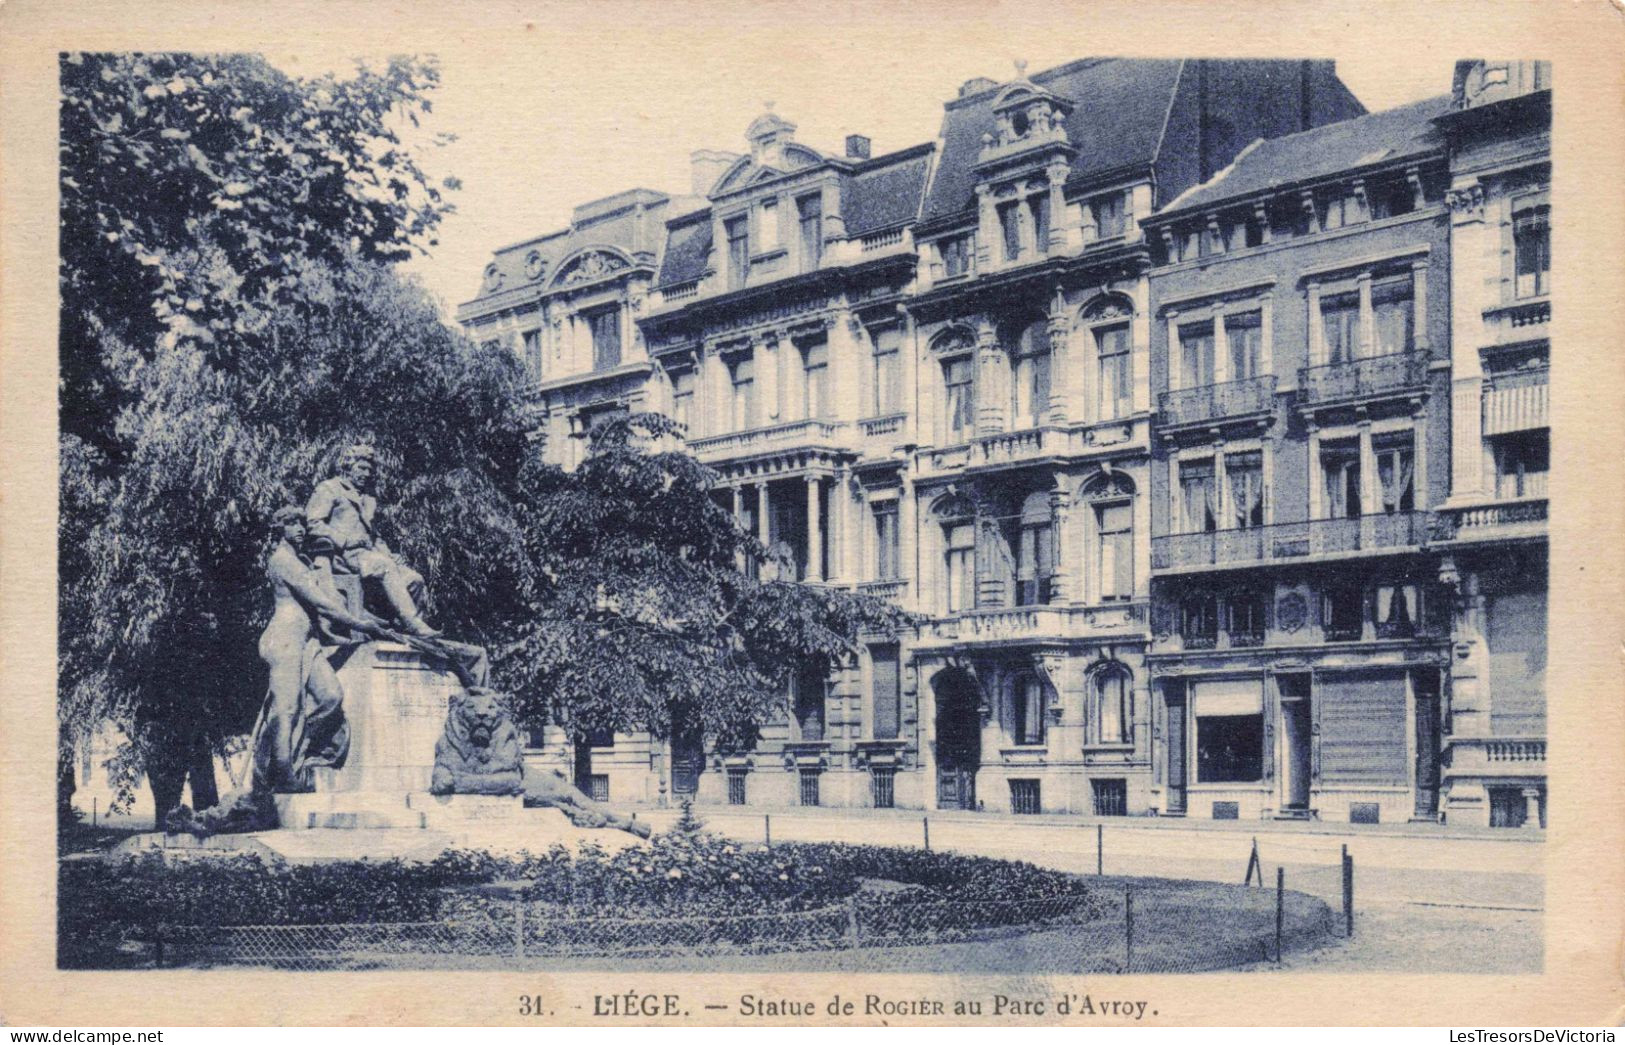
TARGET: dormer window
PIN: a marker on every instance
(1110, 219)
(956, 252)
(1020, 123)
(767, 226)
(1010, 229)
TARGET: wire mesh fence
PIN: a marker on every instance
(1110, 929)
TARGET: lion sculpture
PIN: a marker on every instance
(551, 789)
(479, 752)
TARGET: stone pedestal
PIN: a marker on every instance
(395, 702)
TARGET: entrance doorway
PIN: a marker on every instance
(1295, 740)
(1174, 698)
(687, 756)
(959, 738)
(1426, 687)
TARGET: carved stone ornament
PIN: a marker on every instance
(479, 752)
(594, 264)
(1291, 612)
(1467, 200)
(534, 265)
(493, 277)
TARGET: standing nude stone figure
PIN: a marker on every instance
(340, 516)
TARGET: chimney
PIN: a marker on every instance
(857, 147)
(708, 166)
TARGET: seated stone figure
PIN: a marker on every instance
(479, 752)
(551, 789)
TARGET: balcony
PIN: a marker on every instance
(1019, 624)
(795, 434)
(1293, 541)
(1518, 322)
(1369, 378)
(1250, 397)
(893, 590)
(1497, 756)
(1509, 520)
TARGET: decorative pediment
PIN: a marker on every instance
(589, 265)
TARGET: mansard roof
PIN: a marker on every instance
(1378, 138)
(1120, 107)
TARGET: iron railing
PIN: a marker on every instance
(1291, 540)
(1362, 378)
(1184, 406)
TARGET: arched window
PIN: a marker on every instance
(1035, 551)
(1111, 718)
(1028, 700)
(1109, 334)
(1111, 554)
(1030, 372)
(955, 354)
(958, 578)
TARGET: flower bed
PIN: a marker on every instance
(679, 892)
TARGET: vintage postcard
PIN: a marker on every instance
(1082, 514)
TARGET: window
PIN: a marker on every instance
(1532, 250)
(883, 780)
(743, 376)
(767, 226)
(1340, 470)
(738, 233)
(1024, 797)
(959, 376)
(888, 394)
(1340, 326)
(1027, 710)
(809, 703)
(736, 787)
(1038, 205)
(886, 543)
(1114, 525)
(1244, 472)
(1198, 496)
(1010, 228)
(815, 370)
(1396, 456)
(1110, 219)
(1244, 617)
(595, 418)
(1229, 731)
(1244, 338)
(1035, 552)
(1394, 313)
(809, 787)
(682, 397)
(1398, 608)
(533, 354)
(1116, 388)
(886, 691)
(1338, 210)
(810, 215)
(1342, 613)
(1113, 715)
(1522, 460)
(605, 326)
(1030, 391)
(959, 566)
(1199, 620)
(1110, 797)
(1196, 355)
(956, 253)
(1391, 197)
(1190, 243)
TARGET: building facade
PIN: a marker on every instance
(1138, 384)
(1492, 529)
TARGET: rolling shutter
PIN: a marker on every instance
(1362, 728)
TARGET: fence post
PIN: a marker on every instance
(1253, 864)
(926, 821)
(1128, 929)
(767, 829)
(1348, 894)
(95, 811)
(158, 945)
(1100, 849)
(519, 929)
(851, 921)
(1280, 910)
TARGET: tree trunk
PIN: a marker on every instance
(167, 782)
(65, 785)
(205, 792)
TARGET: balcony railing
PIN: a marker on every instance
(1185, 406)
(1363, 378)
(881, 240)
(1032, 623)
(1516, 402)
(1521, 321)
(1510, 756)
(1515, 750)
(776, 437)
(1285, 541)
(680, 292)
(1491, 521)
(891, 590)
(886, 424)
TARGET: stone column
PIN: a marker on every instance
(764, 528)
(714, 415)
(1221, 348)
(992, 383)
(815, 529)
(1176, 353)
(771, 356)
(1419, 305)
(1531, 799)
(839, 533)
(1261, 214)
(1061, 543)
(1060, 220)
(1368, 321)
(1317, 329)
(908, 543)
(911, 396)
(1317, 481)
(1061, 366)
(986, 229)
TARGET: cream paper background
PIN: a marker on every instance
(1585, 848)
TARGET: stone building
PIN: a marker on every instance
(1300, 358)
(1492, 529)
